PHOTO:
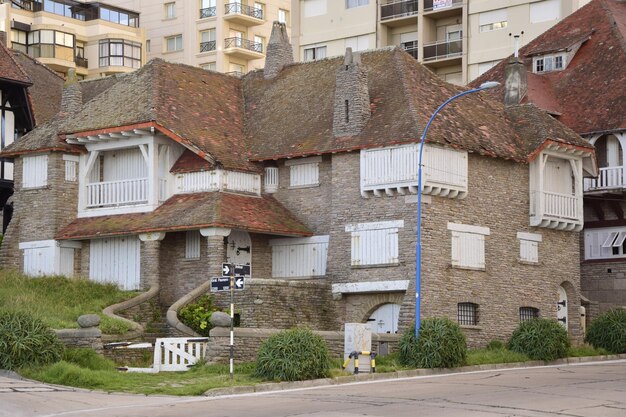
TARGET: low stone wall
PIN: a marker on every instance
(90, 337)
(248, 341)
(139, 355)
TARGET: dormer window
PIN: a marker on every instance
(548, 63)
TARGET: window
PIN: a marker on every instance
(468, 245)
(148, 45)
(260, 42)
(192, 244)
(356, 3)
(51, 44)
(547, 63)
(493, 20)
(358, 43)
(271, 179)
(120, 52)
(299, 257)
(529, 247)
(528, 313)
(209, 66)
(483, 67)
(260, 10)
(304, 172)
(283, 16)
(174, 43)
(19, 40)
(467, 314)
(71, 167)
(207, 8)
(315, 53)
(544, 11)
(314, 8)
(35, 171)
(375, 243)
(119, 16)
(605, 243)
(169, 10)
(207, 40)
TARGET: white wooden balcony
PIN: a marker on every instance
(610, 178)
(117, 193)
(218, 180)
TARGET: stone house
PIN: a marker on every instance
(306, 172)
(576, 73)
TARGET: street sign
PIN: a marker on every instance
(239, 283)
(227, 269)
(239, 270)
(220, 284)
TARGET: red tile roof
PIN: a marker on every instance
(10, 70)
(590, 93)
(192, 212)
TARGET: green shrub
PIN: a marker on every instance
(441, 344)
(495, 344)
(197, 315)
(25, 340)
(540, 339)
(293, 355)
(608, 331)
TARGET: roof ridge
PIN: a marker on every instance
(21, 70)
(613, 23)
(41, 64)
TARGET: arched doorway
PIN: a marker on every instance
(561, 308)
(239, 248)
(385, 319)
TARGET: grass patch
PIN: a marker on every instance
(491, 356)
(59, 301)
(586, 350)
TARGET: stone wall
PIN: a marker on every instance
(604, 282)
(81, 338)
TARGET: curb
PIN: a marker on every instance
(341, 380)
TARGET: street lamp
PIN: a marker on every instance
(418, 247)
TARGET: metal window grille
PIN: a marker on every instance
(468, 314)
(528, 313)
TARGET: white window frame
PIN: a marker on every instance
(529, 247)
(493, 20)
(283, 16)
(375, 243)
(351, 4)
(71, 167)
(169, 10)
(178, 43)
(193, 243)
(539, 11)
(312, 8)
(314, 53)
(304, 172)
(549, 63)
(468, 246)
(35, 171)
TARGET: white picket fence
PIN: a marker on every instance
(175, 354)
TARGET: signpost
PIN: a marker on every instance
(233, 279)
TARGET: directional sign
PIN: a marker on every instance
(239, 270)
(227, 269)
(239, 283)
(220, 284)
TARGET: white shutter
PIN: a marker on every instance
(493, 16)
(304, 172)
(192, 244)
(71, 167)
(468, 245)
(115, 260)
(529, 246)
(35, 171)
(544, 11)
(314, 8)
(299, 257)
(375, 247)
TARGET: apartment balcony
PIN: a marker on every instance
(443, 53)
(556, 210)
(611, 179)
(208, 12)
(439, 9)
(207, 46)
(128, 192)
(411, 49)
(81, 62)
(243, 48)
(243, 14)
(398, 13)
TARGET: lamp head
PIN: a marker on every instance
(489, 84)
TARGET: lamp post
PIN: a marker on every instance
(418, 246)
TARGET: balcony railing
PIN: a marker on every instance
(207, 46)
(244, 9)
(208, 12)
(244, 44)
(555, 205)
(81, 62)
(412, 49)
(610, 177)
(398, 9)
(440, 4)
(443, 49)
(117, 193)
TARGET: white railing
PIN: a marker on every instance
(194, 182)
(610, 177)
(271, 179)
(560, 205)
(389, 167)
(175, 354)
(117, 193)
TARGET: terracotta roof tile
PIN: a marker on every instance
(590, 93)
(10, 70)
(189, 162)
(195, 211)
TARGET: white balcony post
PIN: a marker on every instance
(153, 167)
(86, 164)
(542, 188)
(621, 137)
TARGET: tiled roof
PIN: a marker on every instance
(590, 93)
(201, 109)
(293, 114)
(189, 162)
(45, 93)
(195, 211)
(10, 70)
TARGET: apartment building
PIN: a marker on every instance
(226, 36)
(457, 39)
(95, 39)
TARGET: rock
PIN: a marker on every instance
(89, 320)
(219, 319)
(258, 301)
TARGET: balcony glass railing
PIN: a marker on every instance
(244, 44)
(393, 10)
(443, 49)
(244, 9)
(430, 5)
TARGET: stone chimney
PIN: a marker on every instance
(515, 82)
(279, 51)
(3, 38)
(352, 99)
(72, 98)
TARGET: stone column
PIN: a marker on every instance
(216, 251)
(150, 258)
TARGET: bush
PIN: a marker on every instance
(293, 355)
(540, 339)
(608, 331)
(197, 315)
(441, 344)
(25, 340)
(495, 344)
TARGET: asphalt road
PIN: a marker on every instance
(589, 390)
